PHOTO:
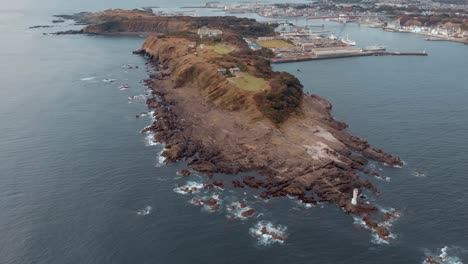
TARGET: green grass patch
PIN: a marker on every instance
(248, 82)
(219, 48)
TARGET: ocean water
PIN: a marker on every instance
(79, 183)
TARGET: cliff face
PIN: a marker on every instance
(141, 25)
(141, 22)
(193, 68)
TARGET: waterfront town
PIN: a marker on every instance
(295, 43)
(438, 21)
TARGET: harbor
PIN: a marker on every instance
(302, 43)
(391, 17)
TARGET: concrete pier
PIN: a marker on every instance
(343, 55)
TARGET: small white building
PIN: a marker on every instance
(209, 32)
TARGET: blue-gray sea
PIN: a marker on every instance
(79, 183)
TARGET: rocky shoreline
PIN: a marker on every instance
(309, 180)
(231, 113)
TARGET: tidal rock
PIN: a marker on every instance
(237, 184)
(203, 167)
(294, 191)
(152, 103)
(431, 260)
(359, 159)
(382, 232)
(308, 200)
(210, 201)
(369, 222)
(248, 213)
(252, 182)
(219, 184)
(139, 52)
(184, 172)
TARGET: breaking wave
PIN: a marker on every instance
(140, 97)
(301, 204)
(388, 217)
(396, 166)
(267, 233)
(239, 210)
(375, 238)
(145, 211)
(446, 256)
(190, 187)
(161, 158)
(149, 139)
(151, 114)
(419, 174)
(88, 79)
(209, 203)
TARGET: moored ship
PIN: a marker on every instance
(374, 48)
(347, 41)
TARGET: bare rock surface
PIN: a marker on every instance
(309, 153)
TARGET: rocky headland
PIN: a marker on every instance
(220, 107)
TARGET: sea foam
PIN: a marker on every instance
(161, 158)
(209, 203)
(145, 211)
(446, 256)
(239, 210)
(267, 233)
(190, 187)
(88, 79)
(149, 139)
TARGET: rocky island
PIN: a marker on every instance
(220, 107)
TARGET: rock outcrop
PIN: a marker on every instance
(218, 125)
(205, 119)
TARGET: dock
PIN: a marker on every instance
(343, 55)
(399, 53)
(432, 38)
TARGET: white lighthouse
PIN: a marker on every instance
(355, 196)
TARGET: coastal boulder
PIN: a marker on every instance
(382, 232)
(295, 190)
(203, 167)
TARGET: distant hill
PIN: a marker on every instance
(459, 2)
